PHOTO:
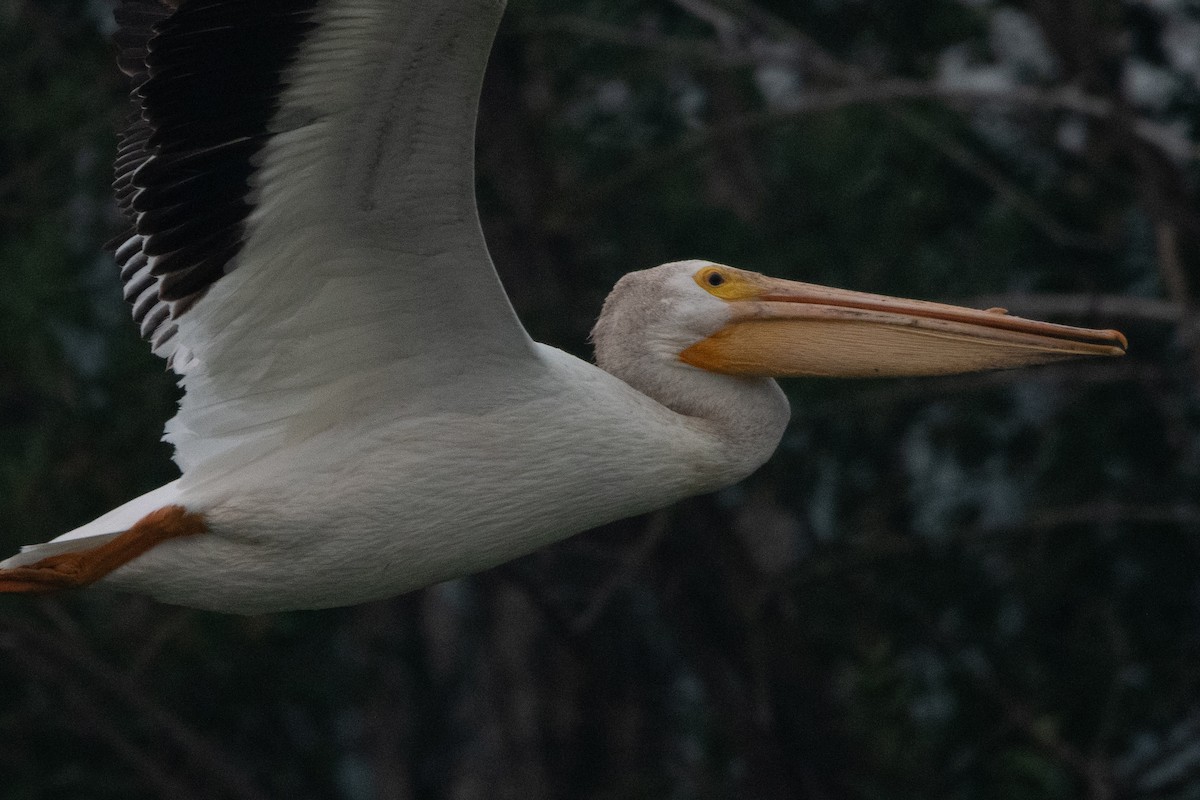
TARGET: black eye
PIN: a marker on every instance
(714, 279)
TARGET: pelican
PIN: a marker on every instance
(363, 413)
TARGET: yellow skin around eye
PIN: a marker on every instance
(735, 284)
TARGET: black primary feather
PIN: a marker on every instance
(207, 77)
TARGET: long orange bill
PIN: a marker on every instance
(799, 329)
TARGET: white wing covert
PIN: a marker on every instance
(300, 178)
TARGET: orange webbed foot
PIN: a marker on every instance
(85, 567)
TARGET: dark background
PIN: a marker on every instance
(974, 587)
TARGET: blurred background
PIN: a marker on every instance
(975, 587)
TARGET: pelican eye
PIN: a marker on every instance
(724, 283)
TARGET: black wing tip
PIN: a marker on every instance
(185, 163)
(136, 21)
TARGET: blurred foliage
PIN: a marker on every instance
(977, 587)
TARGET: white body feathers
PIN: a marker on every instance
(485, 471)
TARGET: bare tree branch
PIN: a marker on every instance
(1114, 513)
(1093, 771)
(676, 49)
(878, 93)
(1166, 239)
(1170, 765)
(1009, 193)
(217, 766)
(88, 718)
(1090, 306)
(632, 561)
(867, 88)
(1074, 374)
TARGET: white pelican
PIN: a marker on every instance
(363, 412)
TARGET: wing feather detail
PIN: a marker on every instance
(305, 243)
(207, 76)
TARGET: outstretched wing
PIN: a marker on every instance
(299, 178)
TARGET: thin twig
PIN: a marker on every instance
(1115, 513)
(1177, 743)
(1175, 279)
(1079, 305)
(808, 103)
(834, 565)
(1095, 772)
(175, 624)
(673, 48)
(1166, 239)
(1016, 198)
(202, 754)
(722, 22)
(656, 527)
(1074, 374)
(88, 718)
(1116, 691)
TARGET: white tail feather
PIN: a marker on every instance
(99, 530)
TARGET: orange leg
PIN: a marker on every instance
(73, 570)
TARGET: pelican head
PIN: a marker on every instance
(701, 316)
